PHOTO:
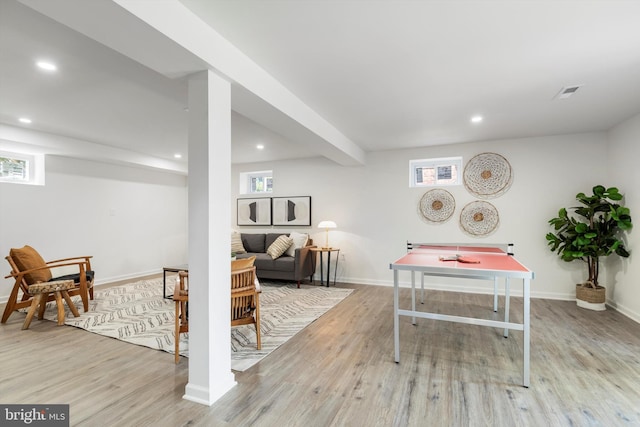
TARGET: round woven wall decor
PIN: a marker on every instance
(487, 175)
(437, 205)
(479, 218)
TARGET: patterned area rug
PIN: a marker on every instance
(137, 313)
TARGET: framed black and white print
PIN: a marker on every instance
(291, 210)
(255, 211)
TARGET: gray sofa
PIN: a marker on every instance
(296, 268)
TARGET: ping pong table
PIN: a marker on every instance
(485, 262)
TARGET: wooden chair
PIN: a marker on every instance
(245, 300)
(29, 268)
(181, 298)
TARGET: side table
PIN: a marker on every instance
(177, 268)
(335, 272)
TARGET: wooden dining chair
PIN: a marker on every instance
(181, 298)
(245, 300)
(29, 268)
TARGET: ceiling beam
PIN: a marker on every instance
(169, 38)
(36, 142)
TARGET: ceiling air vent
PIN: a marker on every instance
(567, 91)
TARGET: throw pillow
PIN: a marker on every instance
(299, 241)
(241, 264)
(236, 243)
(27, 258)
(280, 246)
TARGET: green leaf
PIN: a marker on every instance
(622, 252)
(624, 225)
(582, 241)
(621, 210)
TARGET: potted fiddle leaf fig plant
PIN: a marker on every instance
(589, 232)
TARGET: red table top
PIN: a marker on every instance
(491, 259)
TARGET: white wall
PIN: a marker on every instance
(623, 275)
(133, 221)
(376, 211)
(374, 208)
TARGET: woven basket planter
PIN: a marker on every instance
(588, 297)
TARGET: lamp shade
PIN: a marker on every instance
(327, 224)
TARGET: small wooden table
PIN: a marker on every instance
(335, 272)
(175, 269)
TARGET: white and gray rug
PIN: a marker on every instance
(137, 313)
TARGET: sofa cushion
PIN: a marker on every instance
(264, 262)
(280, 246)
(254, 242)
(27, 258)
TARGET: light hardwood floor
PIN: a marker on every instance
(339, 371)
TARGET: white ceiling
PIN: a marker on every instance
(387, 73)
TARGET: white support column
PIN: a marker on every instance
(210, 373)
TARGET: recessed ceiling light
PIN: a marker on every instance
(260, 147)
(24, 120)
(476, 119)
(48, 66)
(177, 156)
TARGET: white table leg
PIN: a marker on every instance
(506, 304)
(396, 319)
(495, 294)
(421, 287)
(527, 309)
(413, 295)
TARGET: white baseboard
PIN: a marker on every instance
(107, 280)
(633, 315)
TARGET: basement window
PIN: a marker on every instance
(258, 182)
(435, 172)
(20, 168)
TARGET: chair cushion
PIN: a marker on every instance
(280, 246)
(253, 242)
(57, 285)
(241, 264)
(27, 258)
(76, 277)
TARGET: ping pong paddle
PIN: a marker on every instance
(460, 258)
